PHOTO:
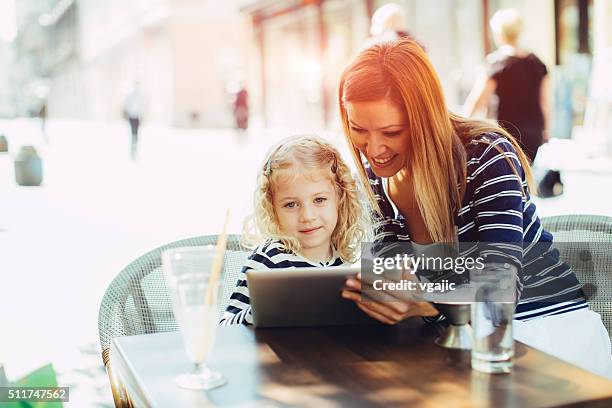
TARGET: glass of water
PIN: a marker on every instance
(492, 314)
(195, 303)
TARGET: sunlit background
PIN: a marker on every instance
(61, 243)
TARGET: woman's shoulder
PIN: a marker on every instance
(496, 57)
(499, 62)
(531, 57)
(488, 145)
(491, 154)
(537, 63)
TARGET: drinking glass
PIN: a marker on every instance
(194, 300)
(492, 314)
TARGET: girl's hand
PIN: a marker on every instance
(390, 312)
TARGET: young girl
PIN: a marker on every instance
(307, 213)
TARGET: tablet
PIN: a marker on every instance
(298, 297)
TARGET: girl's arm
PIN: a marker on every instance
(238, 310)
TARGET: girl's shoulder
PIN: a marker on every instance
(273, 254)
(269, 248)
(270, 254)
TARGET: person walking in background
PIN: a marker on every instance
(241, 108)
(132, 111)
(520, 81)
(42, 114)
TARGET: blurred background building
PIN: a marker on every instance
(82, 55)
(191, 56)
(308, 42)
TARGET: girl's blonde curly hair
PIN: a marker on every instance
(301, 154)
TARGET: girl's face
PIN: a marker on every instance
(306, 205)
(379, 130)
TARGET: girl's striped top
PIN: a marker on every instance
(269, 255)
(495, 211)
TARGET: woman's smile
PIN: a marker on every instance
(383, 161)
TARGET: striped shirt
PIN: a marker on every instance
(269, 255)
(495, 211)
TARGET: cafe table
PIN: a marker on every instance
(355, 366)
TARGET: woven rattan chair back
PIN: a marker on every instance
(137, 300)
(585, 242)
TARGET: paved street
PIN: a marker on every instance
(62, 243)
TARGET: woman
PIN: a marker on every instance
(433, 176)
(520, 81)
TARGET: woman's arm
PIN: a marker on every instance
(391, 312)
(480, 95)
(499, 196)
(390, 240)
(498, 205)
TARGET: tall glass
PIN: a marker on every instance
(194, 300)
(492, 314)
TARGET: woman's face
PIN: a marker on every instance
(379, 130)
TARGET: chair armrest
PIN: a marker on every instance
(120, 396)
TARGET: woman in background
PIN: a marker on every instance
(520, 81)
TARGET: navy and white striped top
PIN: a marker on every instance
(495, 211)
(269, 255)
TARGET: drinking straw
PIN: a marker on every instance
(217, 264)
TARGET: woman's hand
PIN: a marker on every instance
(390, 312)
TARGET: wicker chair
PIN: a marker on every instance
(137, 300)
(585, 242)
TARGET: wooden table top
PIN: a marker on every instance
(347, 366)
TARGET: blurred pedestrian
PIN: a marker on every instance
(388, 24)
(132, 111)
(241, 108)
(42, 115)
(521, 82)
